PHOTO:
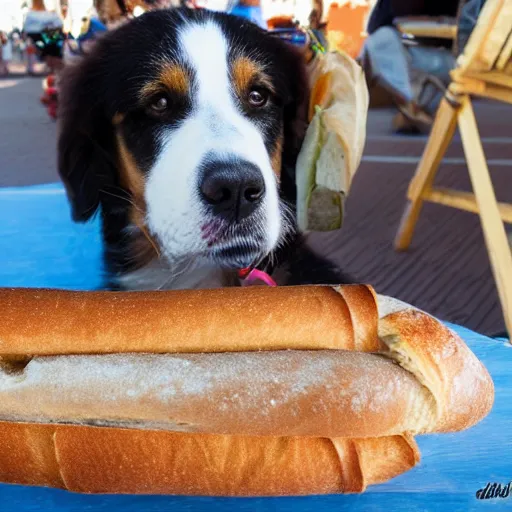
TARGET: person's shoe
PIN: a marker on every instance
(412, 120)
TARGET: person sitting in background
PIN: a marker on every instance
(416, 75)
(468, 17)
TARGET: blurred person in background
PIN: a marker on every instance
(90, 30)
(113, 13)
(468, 16)
(44, 32)
(4, 41)
(18, 45)
(414, 73)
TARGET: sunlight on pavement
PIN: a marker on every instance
(5, 84)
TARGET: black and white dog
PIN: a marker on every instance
(182, 129)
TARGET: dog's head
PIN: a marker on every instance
(185, 122)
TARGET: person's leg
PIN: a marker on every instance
(466, 23)
(385, 62)
(3, 67)
(31, 55)
(55, 64)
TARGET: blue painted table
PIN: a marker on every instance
(40, 247)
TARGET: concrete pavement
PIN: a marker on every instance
(27, 134)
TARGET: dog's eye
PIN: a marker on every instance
(257, 98)
(159, 105)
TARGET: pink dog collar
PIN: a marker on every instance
(251, 276)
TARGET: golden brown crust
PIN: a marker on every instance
(362, 306)
(27, 455)
(442, 362)
(47, 322)
(383, 458)
(114, 460)
(184, 464)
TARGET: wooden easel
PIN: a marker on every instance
(483, 70)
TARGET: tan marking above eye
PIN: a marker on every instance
(245, 73)
(172, 77)
(176, 78)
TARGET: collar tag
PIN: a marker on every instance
(251, 276)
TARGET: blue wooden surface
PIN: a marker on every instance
(39, 246)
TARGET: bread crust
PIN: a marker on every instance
(57, 322)
(119, 461)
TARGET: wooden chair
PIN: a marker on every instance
(430, 28)
(484, 69)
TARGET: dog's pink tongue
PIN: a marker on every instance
(253, 276)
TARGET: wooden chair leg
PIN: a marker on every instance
(495, 235)
(442, 133)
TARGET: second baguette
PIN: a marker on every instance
(332, 393)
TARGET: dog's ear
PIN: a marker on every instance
(295, 118)
(86, 142)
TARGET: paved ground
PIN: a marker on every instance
(446, 271)
(27, 135)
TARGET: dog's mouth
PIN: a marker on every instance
(238, 256)
(234, 247)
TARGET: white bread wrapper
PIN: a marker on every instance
(334, 142)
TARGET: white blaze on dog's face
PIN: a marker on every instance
(212, 191)
(178, 125)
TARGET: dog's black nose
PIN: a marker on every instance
(232, 189)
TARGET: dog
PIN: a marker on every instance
(181, 129)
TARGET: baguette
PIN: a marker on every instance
(284, 393)
(51, 322)
(119, 461)
(309, 420)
